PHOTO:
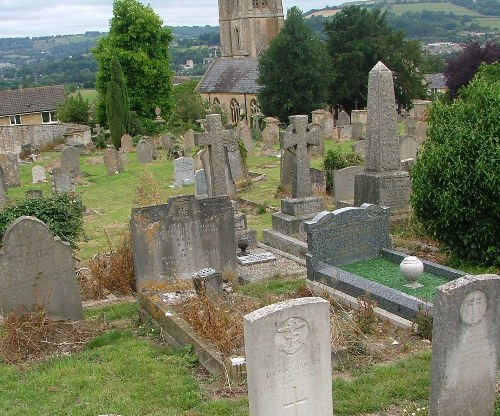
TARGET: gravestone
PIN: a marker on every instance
(208, 282)
(167, 142)
(38, 174)
(319, 150)
(113, 162)
(410, 125)
(270, 134)
(220, 142)
(36, 267)
(236, 166)
(183, 171)
(288, 358)
(343, 119)
(70, 160)
(200, 184)
(419, 109)
(245, 135)
(317, 116)
(287, 168)
(356, 131)
(421, 130)
(382, 182)
(465, 347)
(126, 142)
(9, 162)
(34, 193)
(360, 147)
(348, 235)
(62, 180)
(318, 181)
(153, 144)
(174, 240)
(188, 139)
(358, 116)
(3, 186)
(198, 159)
(408, 147)
(343, 186)
(144, 152)
(328, 124)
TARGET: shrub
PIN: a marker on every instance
(456, 180)
(335, 160)
(74, 109)
(62, 214)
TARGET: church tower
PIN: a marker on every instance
(247, 26)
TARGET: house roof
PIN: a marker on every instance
(435, 81)
(231, 75)
(31, 100)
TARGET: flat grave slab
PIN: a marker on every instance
(256, 258)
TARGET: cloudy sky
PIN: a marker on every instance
(59, 17)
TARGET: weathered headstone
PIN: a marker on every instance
(419, 110)
(126, 142)
(317, 116)
(200, 185)
(34, 193)
(408, 147)
(62, 180)
(319, 150)
(3, 186)
(358, 116)
(188, 139)
(113, 161)
(348, 235)
(183, 171)
(288, 357)
(360, 147)
(38, 174)
(144, 152)
(343, 186)
(343, 119)
(10, 164)
(245, 135)
(38, 268)
(421, 130)
(219, 143)
(465, 347)
(198, 159)
(318, 181)
(270, 134)
(154, 146)
(70, 160)
(208, 282)
(356, 131)
(287, 167)
(167, 141)
(176, 239)
(382, 182)
(328, 123)
(236, 165)
(410, 125)
(298, 137)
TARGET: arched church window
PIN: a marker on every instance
(255, 3)
(254, 107)
(235, 111)
(216, 101)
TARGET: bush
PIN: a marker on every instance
(456, 180)
(62, 214)
(74, 109)
(335, 160)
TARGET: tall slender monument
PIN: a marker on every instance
(247, 26)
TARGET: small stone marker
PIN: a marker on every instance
(298, 137)
(256, 258)
(288, 355)
(200, 184)
(113, 161)
(38, 174)
(127, 143)
(34, 193)
(465, 347)
(9, 162)
(62, 180)
(208, 282)
(36, 267)
(144, 152)
(70, 160)
(183, 171)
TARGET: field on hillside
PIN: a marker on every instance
(399, 9)
(89, 94)
(490, 22)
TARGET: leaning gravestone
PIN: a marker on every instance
(127, 143)
(38, 268)
(183, 171)
(174, 240)
(144, 152)
(10, 165)
(113, 162)
(245, 135)
(270, 134)
(288, 357)
(382, 182)
(38, 174)
(200, 185)
(465, 347)
(343, 186)
(70, 160)
(3, 186)
(62, 180)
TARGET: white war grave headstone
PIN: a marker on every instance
(465, 347)
(38, 268)
(288, 357)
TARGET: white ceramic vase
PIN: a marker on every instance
(411, 268)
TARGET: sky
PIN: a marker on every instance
(21, 18)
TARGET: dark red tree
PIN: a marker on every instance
(460, 70)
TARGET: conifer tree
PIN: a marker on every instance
(117, 104)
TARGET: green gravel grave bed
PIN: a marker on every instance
(387, 273)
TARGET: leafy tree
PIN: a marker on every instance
(293, 71)
(189, 106)
(460, 70)
(357, 40)
(117, 104)
(141, 44)
(456, 180)
(74, 109)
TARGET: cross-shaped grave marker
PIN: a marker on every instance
(299, 135)
(219, 141)
(295, 404)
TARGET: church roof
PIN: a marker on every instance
(231, 75)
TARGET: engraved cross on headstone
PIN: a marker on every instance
(295, 404)
(297, 138)
(473, 307)
(218, 141)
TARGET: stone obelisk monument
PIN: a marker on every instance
(382, 182)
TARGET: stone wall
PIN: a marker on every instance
(13, 137)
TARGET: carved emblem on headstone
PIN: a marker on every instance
(292, 336)
(473, 307)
